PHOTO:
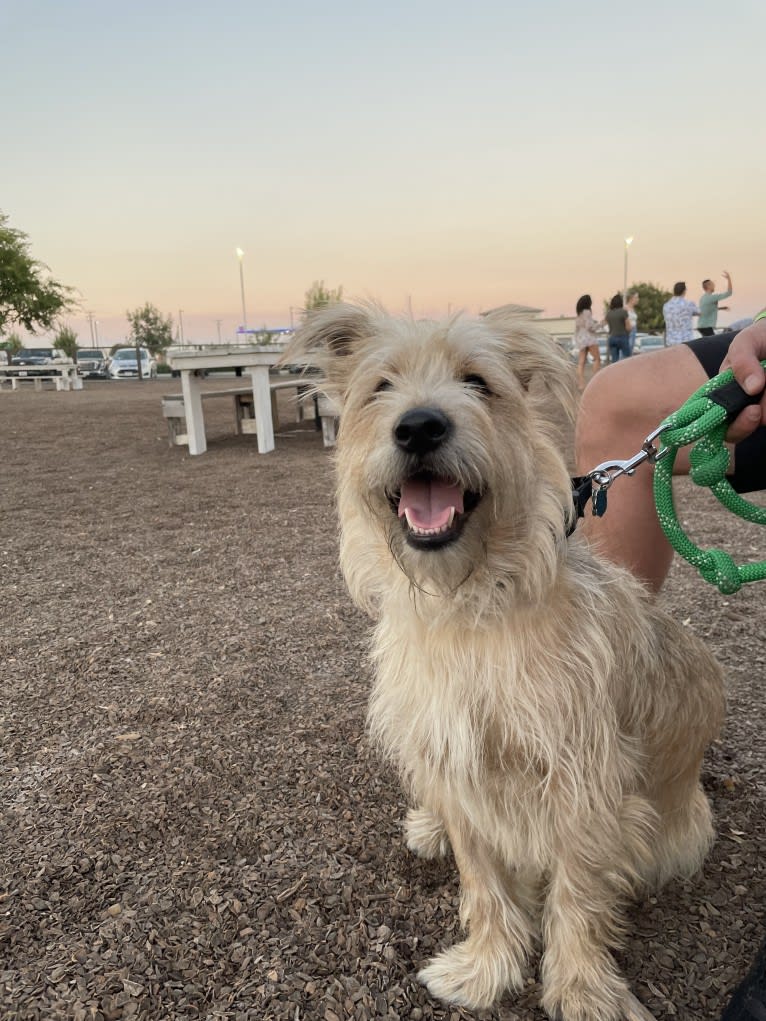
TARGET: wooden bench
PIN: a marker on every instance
(60, 382)
(325, 412)
(174, 411)
(246, 420)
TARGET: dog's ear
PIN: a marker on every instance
(327, 339)
(537, 360)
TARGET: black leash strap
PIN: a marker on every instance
(582, 494)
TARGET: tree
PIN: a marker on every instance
(66, 341)
(651, 298)
(29, 296)
(150, 329)
(11, 345)
(317, 296)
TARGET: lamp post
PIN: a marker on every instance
(240, 256)
(628, 243)
(181, 326)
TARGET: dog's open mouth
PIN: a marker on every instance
(432, 510)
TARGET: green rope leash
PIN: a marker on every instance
(703, 422)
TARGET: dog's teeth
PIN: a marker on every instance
(418, 530)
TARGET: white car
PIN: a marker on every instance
(124, 365)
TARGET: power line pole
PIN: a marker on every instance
(240, 256)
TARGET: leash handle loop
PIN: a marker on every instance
(703, 420)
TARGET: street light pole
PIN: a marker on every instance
(628, 243)
(181, 326)
(240, 256)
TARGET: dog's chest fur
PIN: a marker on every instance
(487, 721)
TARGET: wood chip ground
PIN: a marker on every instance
(193, 824)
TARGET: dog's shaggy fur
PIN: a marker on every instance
(548, 719)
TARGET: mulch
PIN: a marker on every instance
(193, 823)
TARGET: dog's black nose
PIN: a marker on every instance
(421, 430)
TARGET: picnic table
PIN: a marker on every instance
(254, 359)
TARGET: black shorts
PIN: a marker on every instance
(750, 454)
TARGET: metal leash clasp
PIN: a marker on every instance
(604, 474)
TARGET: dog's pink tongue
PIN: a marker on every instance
(428, 503)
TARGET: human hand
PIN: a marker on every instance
(744, 357)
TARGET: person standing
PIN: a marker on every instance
(709, 305)
(678, 313)
(630, 307)
(586, 338)
(618, 321)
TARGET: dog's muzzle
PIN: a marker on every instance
(431, 507)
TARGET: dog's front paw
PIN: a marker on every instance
(426, 835)
(608, 999)
(470, 975)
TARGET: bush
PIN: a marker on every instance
(66, 341)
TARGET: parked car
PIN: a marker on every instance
(124, 365)
(648, 342)
(36, 358)
(92, 364)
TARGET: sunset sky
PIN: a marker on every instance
(428, 154)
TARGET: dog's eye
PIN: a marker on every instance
(383, 385)
(478, 383)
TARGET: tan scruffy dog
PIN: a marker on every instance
(547, 718)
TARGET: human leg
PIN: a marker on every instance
(618, 347)
(619, 408)
(596, 355)
(582, 358)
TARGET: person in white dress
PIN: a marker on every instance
(586, 337)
